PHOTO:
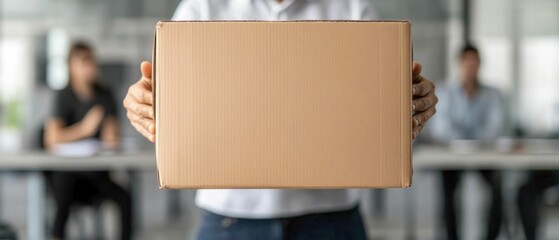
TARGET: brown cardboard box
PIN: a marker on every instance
(303, 104)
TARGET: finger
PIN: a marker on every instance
(141, 94)
(416, 71)
(144, 132)
(145, 83)
(145, 68)
(147, 123)
(143, 110)
(423, 103)
(415, 122)
(416, 132)
(422, 88)
(421, 118)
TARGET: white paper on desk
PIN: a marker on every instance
(82, 148)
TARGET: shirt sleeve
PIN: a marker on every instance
(109, 104)
(60, 106)
(188, 10)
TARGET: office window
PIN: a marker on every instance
(519, 41)
(491, 32)
(57, 62)
(539, 74)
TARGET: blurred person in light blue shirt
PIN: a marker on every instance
(470, 110)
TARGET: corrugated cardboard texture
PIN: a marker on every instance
(307, 104)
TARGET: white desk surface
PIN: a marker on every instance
(33, 162)
(426, 157)
(39, 160)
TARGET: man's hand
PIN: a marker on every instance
(424, 100)
(139, 104)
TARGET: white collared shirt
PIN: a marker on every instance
(271, 203)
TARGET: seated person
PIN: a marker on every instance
(84, 110)
(470, 110)
(529, 199)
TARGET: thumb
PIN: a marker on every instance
(416, 71)
(145, 68)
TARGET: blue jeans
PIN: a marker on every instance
(339, 225)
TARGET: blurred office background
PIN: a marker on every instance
(518, 40)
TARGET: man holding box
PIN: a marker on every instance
(275, 213)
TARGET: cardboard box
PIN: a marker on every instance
(298, 104)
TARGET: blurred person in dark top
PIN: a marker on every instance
(470, 110)
(84, 110)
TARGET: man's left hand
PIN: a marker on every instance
(424, 100)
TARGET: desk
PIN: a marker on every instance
(437, 158)
(429, 158)
(37, 160)
(34, 163)
(425, 158)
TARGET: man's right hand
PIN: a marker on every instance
(139, 104)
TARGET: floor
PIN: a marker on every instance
(389, 222)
